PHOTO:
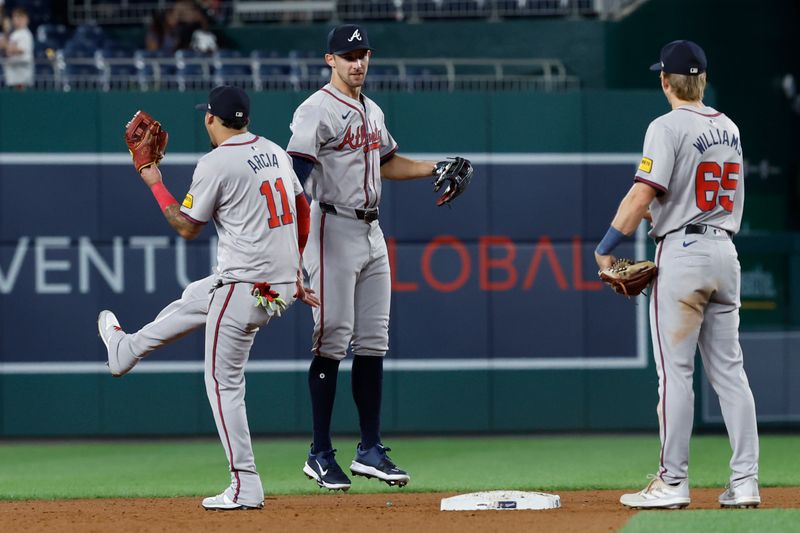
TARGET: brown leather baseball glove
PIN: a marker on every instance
(146, 140)
(629, 277)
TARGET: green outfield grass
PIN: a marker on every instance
(729, 521)
(199, 467)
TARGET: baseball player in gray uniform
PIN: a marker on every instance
(248, 187)
(691, 179)
(342, 148)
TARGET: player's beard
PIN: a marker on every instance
(356, 83)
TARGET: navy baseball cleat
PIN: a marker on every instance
(374, 462)
(323, 468)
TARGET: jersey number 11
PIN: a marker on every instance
(286, 218)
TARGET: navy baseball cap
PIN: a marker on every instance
(682, 57)
(227, 102)
(346, 38)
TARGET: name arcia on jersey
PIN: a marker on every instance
(716, 136)
(259, 161)
(369, 140)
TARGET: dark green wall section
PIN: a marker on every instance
(579, 121)
(277, 403)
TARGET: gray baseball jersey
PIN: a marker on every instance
(233, 184)
(346, 258)
(248, 187)
(347, 139)
(693, 157)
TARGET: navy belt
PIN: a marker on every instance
(693, 229)
(367, 215)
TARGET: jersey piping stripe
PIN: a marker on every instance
(653, 184)
(662, 469)
(241, 144)
(372, 169)
(363, 116)
(303, 156)
(390, 155)
(321, 283)
(348, 104)
(190, 219)
(219, 398)
(699, 113)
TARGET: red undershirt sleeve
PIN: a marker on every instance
(303, 220)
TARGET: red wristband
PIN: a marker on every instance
(163, 196)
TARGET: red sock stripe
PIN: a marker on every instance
(662, 469)
(321, 283)
(219, 398)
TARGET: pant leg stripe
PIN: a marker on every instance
(321, 283)
(662, 468)
(219, 398)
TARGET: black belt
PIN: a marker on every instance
(367, 215)
(694, 229)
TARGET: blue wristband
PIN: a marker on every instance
(611, 240)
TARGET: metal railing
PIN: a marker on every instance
(238, 11)
(254, 73)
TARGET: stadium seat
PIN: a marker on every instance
(90, 33)
(192, 70)
(44, 71)
(53, 35)
(155, 70)
(79, 68)
(121, 71)
(238, 73)
(382, 77)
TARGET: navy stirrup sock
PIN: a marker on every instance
(367, 380)
(322, 375)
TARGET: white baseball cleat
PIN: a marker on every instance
(107, 325)
(742, 494)
(224, 502)
(659, 495)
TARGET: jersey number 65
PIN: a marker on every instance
(710, 178)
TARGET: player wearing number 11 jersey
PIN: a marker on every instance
(691, 178)
(247, 186)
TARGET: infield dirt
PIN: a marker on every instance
(582, 511)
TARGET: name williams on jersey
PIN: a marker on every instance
(715, 136)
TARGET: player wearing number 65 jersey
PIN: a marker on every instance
(691, 178)
(247, 186)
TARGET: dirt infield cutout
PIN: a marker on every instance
(582, 511)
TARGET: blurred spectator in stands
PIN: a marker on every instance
(163, 32)
(183, 26)
(17, 46)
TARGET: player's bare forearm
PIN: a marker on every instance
(403, 168)
(633, 208)
(185, 228)
(172, 212)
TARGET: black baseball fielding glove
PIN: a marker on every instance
(456, 172)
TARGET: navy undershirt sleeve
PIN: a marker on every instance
(302, 167)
